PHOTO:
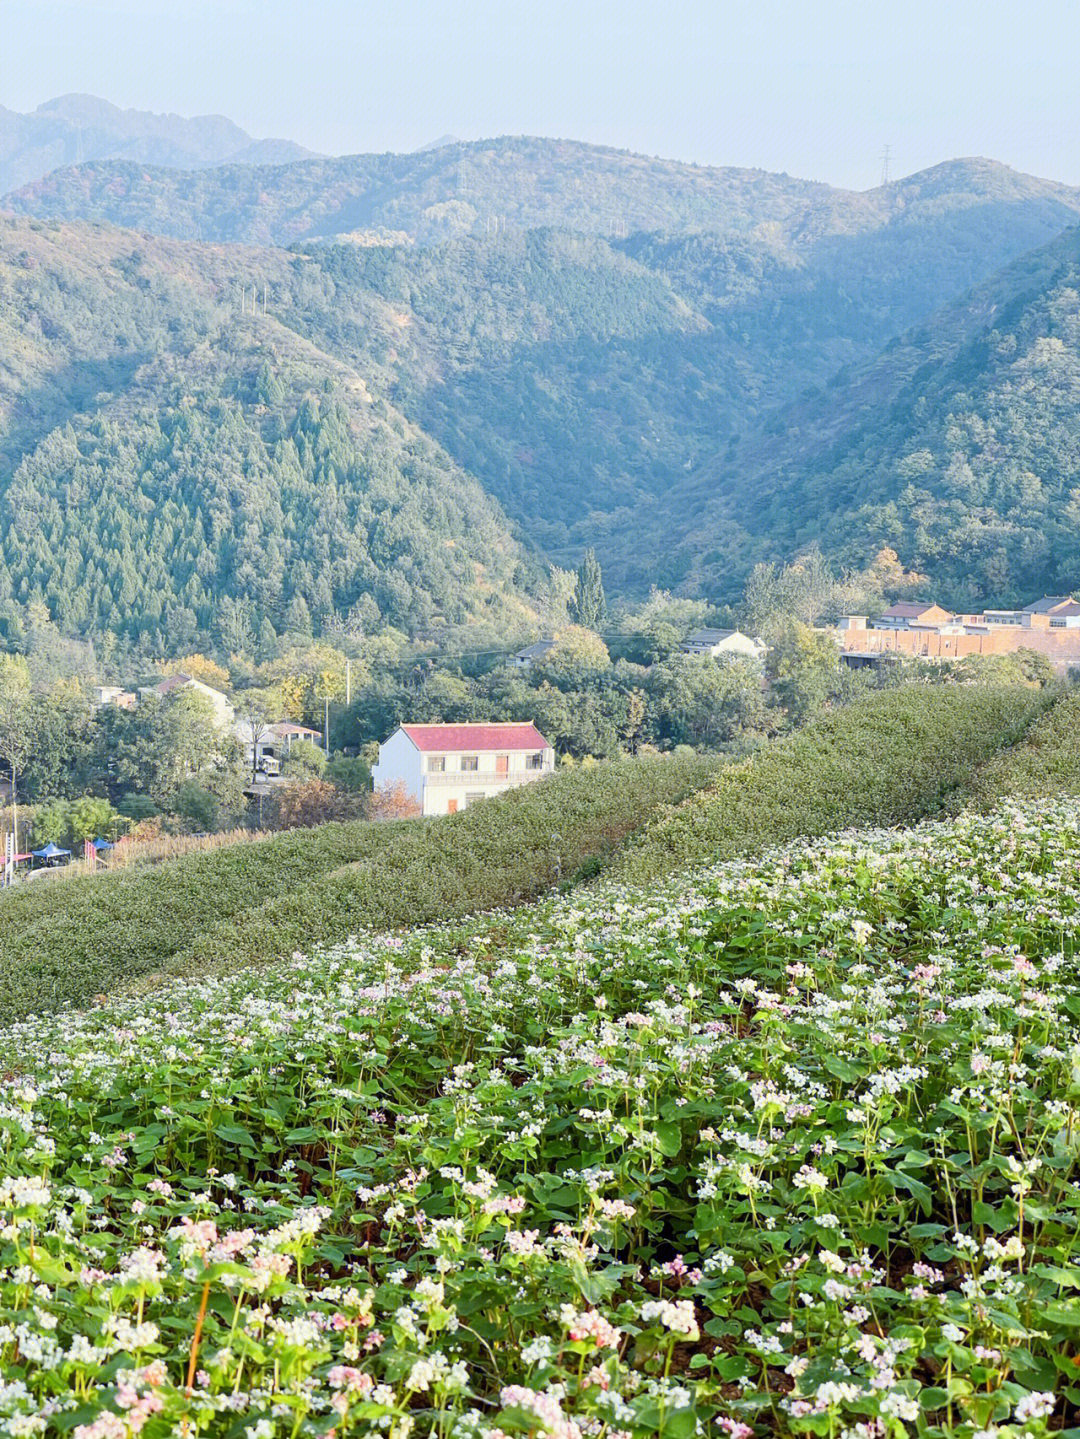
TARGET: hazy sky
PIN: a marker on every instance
(813, 87)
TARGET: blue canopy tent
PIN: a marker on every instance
(100, 843)
(51, 853)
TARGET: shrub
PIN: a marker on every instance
(304, 803)
(393, 801)
(196, 806)
(259, 901)
(303, 759)
(886, 759)
(349, 772)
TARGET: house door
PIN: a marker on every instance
(451, 806)
(502, 764)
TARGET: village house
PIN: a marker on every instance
(224, 712)
(115, 696)
(1052, 612)
(723, 644)
(446, 767)
(274, 744)
(531, 654)
(906, 613)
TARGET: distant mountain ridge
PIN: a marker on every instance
(73, 129)
(482, 187)
(688, 368)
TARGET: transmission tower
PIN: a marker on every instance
(885, 164)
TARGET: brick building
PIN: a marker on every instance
(1050, 626)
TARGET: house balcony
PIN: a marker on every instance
(466, 777)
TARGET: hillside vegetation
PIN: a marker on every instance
(162, 452)
(1045, 764)
(254, 902)
(570, 343)
(888, 759)
(527, 183)
(959, 446)
(771, 1149)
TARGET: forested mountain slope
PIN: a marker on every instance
(959, 446)
(171, 466)
(73, 129)
(529, 183)
(688, 396)
(434, 194)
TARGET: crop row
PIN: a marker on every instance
(889, 759)
(66, 944)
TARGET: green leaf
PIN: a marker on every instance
(915, 1187)
(669, 1136)
(1066, 1314)
(681, 1424)
(235, 1134)
(842, 1068)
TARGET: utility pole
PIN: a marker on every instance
(14, 812)
(326, 727)
(348, 682)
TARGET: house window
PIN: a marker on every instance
(534, 761)
(436, 764)
(470, 762)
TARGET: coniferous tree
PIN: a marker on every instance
(588, 607)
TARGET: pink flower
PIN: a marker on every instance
(588, 1324)
(354, 1381)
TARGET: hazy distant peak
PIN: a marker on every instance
(975, 174)
(74, 129)
(438, 144)
(77, 106)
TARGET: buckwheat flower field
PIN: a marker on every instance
(785, 1147)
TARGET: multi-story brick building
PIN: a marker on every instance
(1050, 626)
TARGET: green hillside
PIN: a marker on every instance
(526, 182)
(890, 758)
(959, 446)
(723, 373)
(885, 760)
(433, 195)
(250, 903)
(162, 451)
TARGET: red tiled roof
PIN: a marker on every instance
(452, 738)
(174, 682)
(287, 727)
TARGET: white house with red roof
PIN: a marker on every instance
(447, 767)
